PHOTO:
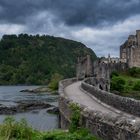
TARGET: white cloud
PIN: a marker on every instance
(107, 39)
(11, 29)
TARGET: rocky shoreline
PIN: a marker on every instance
(26, 107)
(40, 90)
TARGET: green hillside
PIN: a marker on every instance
(27, 59)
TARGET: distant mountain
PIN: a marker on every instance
(27, 59)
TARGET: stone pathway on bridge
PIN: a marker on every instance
(74, 92)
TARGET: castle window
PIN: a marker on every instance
(100, 87)
(106, 88)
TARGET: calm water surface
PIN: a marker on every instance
(38, 119)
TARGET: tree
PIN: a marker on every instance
(54, 81)
(117, 83)
(137, 86)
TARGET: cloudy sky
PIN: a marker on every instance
(102, 25)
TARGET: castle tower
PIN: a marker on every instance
(89, 67)
(84, 67)
(138, 37)
(78, 68)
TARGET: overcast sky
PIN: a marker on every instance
(102, 25)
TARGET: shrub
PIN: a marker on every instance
(135, 72)
(53, 85)
(114, 73)
(136, 86)
(11, 129)
(117, 83)
(75, 117)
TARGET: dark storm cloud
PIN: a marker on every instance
(71, 12)
(15, 11)
(102, 25)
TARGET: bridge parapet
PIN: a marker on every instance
(125, 104)
(65, 83)
(100, 83)
(104, 125)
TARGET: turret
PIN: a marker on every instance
(109, 59)
(138, 37)
(89, 66)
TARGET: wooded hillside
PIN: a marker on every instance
(27, 59)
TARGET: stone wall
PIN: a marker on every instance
(100, 83)
(135, 59)
(130, 50)
(122, 103)
(104, 70)
(64, 119)
(101, 124)
(65, 83)
(138, 37)
(84, 67)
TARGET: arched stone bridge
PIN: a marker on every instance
(106, 115)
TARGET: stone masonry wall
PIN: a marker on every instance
(64, 115)
(100, 83)
(84, 67)
(101, 124)
(104, 70)
(122, 103)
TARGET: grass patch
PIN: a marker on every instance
(81, 134)
(13, 130)
(127, 83)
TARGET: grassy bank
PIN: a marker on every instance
(12, 130)
(126, 83)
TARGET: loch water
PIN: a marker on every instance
(38, 119)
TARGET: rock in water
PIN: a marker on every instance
(54, 110)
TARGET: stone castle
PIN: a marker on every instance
(103, 67)
(130, 50)
(84, 67)
(100, 68)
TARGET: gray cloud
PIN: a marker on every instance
(71, 12)
(97, 12)
(100, 24)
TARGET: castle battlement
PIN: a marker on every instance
(130, 50)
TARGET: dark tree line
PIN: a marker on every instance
(28, 59)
